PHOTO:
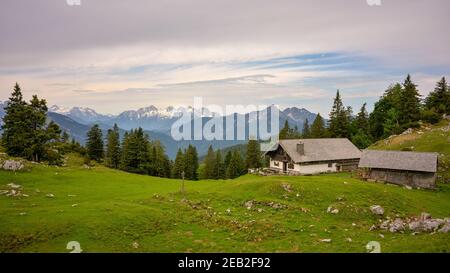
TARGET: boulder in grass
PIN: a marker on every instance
(377, 210)
(12, 165)
(445, 228)
(397, 225)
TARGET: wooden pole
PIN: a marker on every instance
(182, 185)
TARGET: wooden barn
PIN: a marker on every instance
(412, 169)
(310, 156)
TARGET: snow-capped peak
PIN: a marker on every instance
(58, 109)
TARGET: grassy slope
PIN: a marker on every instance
(116, 209)
(434, 139)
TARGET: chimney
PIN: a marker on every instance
(301, 148)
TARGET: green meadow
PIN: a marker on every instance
(107, 210)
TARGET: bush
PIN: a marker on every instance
(54, 157)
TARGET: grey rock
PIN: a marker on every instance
(12, 165)
(432, 224)
(377, 209)
(397, 225)
(445, 228)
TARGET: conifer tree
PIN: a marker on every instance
(209, 164)
(439, 99)
(135, 152)
(219, 166)
(236, 166)
(15, 124)
(94, 143)
(253, 155)
(338, 123)
(113, 152)
(318, 129)
(159, 162)
(36, 133)
(191, 163)
(409, 104)
(227, 159)
(362, 119)
(306, 133)
(178, 165)
(389, 100)
(284, 132)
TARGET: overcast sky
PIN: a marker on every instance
(115, 55)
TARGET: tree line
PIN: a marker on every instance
(399, 108)
(28, 134)
(233, 164)
(136, 153)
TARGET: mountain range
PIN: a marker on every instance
(155, 119)
(157, 123)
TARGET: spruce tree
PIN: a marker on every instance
(306, 133)
(439, 99)
(391, 124)
(52, 150)
(113, 152)
(94, 143)
(191, 163)
(219, 167)
(209, 164)
(361, 139)
(409, 110)
(135, 152)
(362, 119)
(159, 162)
(253, 155)
(178, 165)
(236, 166)
(284, 132)
(36, 133)
(227, 160)
(318, 129)
(389, 100)
(339, 119)
(15, 124)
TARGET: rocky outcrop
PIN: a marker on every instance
(251, 204)
(423, 223)
(12, 165)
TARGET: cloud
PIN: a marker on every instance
(251, 79)
(114, 55)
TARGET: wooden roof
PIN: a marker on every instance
(396, 160)
(320, 149)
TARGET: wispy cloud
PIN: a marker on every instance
(294, 52)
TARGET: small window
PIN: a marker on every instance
(330, 165)
(290, 166)
(276, 163)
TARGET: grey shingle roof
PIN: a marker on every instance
(321, 149)
(396, 160)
